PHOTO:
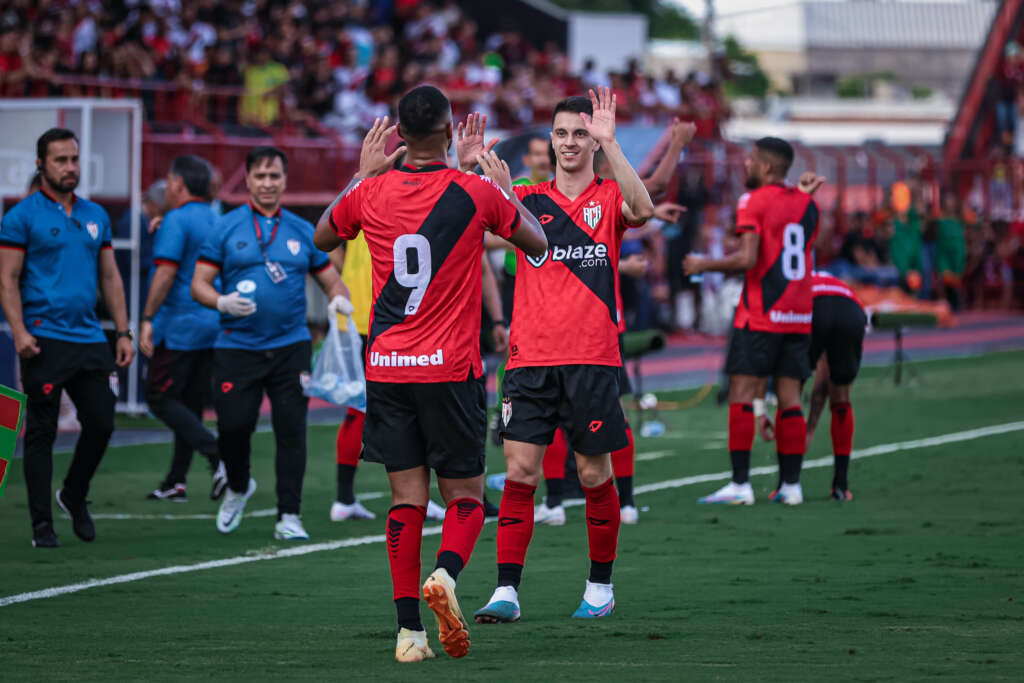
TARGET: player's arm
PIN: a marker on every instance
(637, 206)
(680, 135)
(113, 296)
(528, 236)
(163, 278)
(372, 162)
(740, 261)
(338, 258)
(336, 291)
(11, 261)
(819, 394)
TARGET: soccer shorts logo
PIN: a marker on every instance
(225, 387)
(115, 384)
(596, 425)
(304, 379)
(506, 410)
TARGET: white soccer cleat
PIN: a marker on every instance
(629, 514)
(730, 494)
(340, 512)
(550, 516)
(788, 494)
(598, 601)
(230, 514)
(412, 646)
(289, 528)
(434, 511)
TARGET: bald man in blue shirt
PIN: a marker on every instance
(55, 252)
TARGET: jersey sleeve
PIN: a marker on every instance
(347, 215)
(14, 231)
(619, 202)
(212, 251)
(107, 236)
(169, 246)
(500, 215)
(749, 214)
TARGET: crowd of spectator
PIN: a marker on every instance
(340, 63)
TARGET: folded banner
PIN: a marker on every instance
(12, 408)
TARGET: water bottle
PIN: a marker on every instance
(496, 481)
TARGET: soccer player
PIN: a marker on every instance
(837, 344)
(262, 254)
(563, 367)
(178, 333)
(55, 252)
(425, 398)
(777, 226)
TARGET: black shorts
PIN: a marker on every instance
(440, 425)
(768, 354)
(625, 386)
(837, 330)
(582, 399)
(173, 373)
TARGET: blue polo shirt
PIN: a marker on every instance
(234, 248)
(182, 323)
(60, 275)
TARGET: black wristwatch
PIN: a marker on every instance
(121, 334)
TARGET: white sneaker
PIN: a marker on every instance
(340, 512)
(629, 514)
(551, 516)
(434, 511)
(788, 494)
(289, 528)
(230, 514)
(731, 494)
(412, 646)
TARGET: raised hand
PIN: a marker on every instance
(497, 170)
(372, 160)
(668, 211)
(470, 141)
(810, 182)
(682, 132)
(601, 125)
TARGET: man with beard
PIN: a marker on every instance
(777, 226)
(55, 252)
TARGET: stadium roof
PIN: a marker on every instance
(871, 24)
(860, 24)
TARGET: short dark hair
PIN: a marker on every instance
(52, 135)
(780, 150)
(421, 111)
(577, 103)
(194, 172)
(267, 153)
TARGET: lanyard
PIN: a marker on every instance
(259, 233)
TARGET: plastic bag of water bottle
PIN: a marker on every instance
(338, 371)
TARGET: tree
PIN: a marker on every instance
(744, 76)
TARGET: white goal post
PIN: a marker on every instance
(110, 149)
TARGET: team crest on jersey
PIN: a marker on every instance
(506, 411)
(93, 229)
(293, 246)
(592, 214)
(538, 261)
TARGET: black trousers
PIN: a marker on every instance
(179, 386)
(240, 378)
(83, 370)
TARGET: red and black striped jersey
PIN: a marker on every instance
(567, 302)
(424, 227)
(777, 290)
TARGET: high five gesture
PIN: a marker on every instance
(601, 125)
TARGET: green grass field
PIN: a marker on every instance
(920, 577)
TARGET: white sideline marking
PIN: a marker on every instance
(654, 455)
(882, 449)
(266, 512)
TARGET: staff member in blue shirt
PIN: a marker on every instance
(55, 252)
(262, 254)
(177, 332)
